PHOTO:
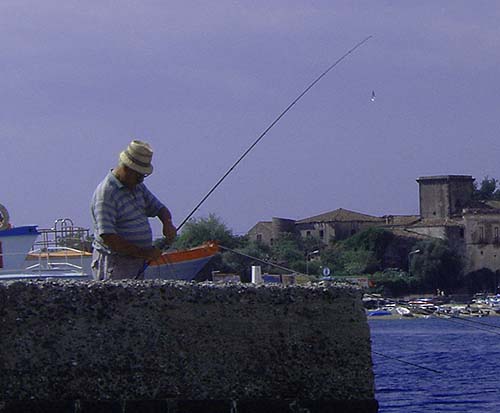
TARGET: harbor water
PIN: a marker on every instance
(465, 355)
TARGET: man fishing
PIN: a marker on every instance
(120, 208)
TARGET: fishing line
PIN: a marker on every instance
(274, 122)
(473, 321)
(406, 362)
(453, 319)
(271, 125)
(261, 260)
(457, 319)
(288, 269)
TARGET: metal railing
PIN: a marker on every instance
(63, 234)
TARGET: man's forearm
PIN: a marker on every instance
(165, 216)
(121, 246)
(169, 231)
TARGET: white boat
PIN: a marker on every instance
(29, 253)
(403, 311)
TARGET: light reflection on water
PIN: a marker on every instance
(468, 358)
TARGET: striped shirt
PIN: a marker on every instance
(116, 209)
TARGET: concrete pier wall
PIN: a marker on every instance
(172, 344)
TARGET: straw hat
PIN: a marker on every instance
(138, 157)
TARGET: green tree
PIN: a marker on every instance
(436, 266)
(287, 249)
(487, 190)
(482, 280)
(334, 257)
(199, 230)
(374, 240)
(394, 283)
(359, 254)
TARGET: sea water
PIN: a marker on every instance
(465, 354)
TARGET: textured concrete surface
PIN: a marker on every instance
(161, 340)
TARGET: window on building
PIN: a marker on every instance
(271, 241)
(354, 226)
(462, 233)
(259, 237)
(481, 234)
(308, 233)
(496, 235)
(321, 234)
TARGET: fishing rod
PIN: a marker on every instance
(274, 122)
(163, 244)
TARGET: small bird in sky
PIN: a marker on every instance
(373, 96)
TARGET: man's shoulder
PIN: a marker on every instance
(108, 185)
(111, 181)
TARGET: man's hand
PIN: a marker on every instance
(151, 254)
(169, 232)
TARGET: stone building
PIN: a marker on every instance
(267, 232)
(444, 196)
(335, 225)
(447, 210)
(481, 228)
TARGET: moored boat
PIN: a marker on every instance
(29, 253)
(181, 264)
(22, 257)
(378, 313)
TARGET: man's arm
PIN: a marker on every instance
(169, 231)
(120, 245)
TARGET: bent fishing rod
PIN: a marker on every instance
(271, 125)
(163, 244)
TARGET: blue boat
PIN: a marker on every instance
(378, 313)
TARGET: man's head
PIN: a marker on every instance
(138, 157)
(135, 163)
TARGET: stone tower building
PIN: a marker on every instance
(444, 196)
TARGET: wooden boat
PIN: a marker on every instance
(181, 264)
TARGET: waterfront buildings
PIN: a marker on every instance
(447, 210)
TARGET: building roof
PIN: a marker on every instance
(400, 220)
(340, 215)
(493, 204)
(482, 207)
(401, 232)
(438, 222)
(446, 178)
(261, 224)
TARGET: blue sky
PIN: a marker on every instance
(201, 80)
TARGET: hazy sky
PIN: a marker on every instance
(201, 80)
